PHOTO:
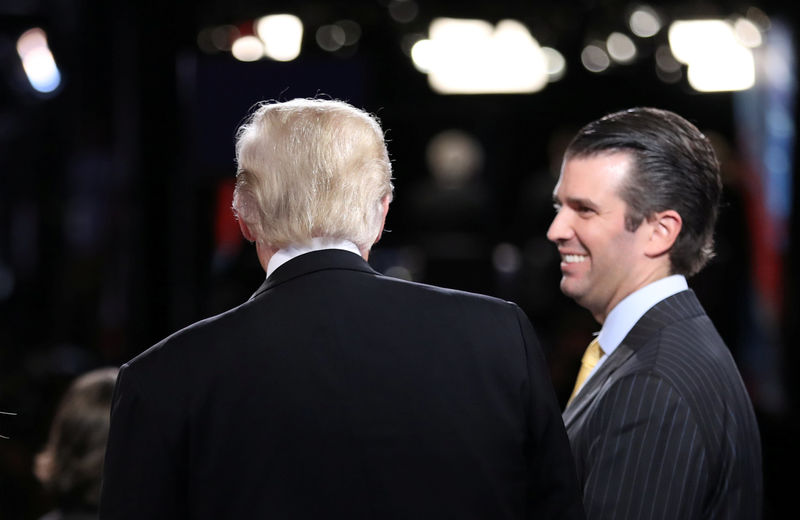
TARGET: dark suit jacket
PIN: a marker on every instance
(665, 428)
(335, 392)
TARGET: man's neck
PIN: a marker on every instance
(627, 312)
(284, 254)
(643, 279)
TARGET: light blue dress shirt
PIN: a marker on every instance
(627, 312)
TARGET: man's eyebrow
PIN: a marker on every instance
(578, 201)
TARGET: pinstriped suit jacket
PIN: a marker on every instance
(665, 428)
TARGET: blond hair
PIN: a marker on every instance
(311, 168)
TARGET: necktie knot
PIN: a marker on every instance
(592, 354)
(590, 358)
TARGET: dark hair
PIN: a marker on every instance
(71, 464)
(674, 167)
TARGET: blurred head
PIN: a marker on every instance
(71, 464)
(673, 166)
(311, 168)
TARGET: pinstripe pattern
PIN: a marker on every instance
(665, 428)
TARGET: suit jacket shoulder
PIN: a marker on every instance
(671, 390)
(338, 392)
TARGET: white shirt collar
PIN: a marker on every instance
(317, 243)
(627, 312)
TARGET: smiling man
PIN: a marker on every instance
(660, 423)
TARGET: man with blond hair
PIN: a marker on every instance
(336, 392)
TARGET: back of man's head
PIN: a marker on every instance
(674, 167)
(311, 168)
(71, 464)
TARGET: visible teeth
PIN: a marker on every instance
(571, 259)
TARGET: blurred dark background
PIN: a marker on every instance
(115, 227)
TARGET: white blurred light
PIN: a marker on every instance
(423, 54)
(594, 58)
(454, 157)
(330, 37)
(37, 61)
(247, 48)
(690, 38)
(282, 35)
(556, 64)
(352, 31)
(747, 32)
(733, 71)
(644, 22)
(41, 69)
(31, 40)
(620, 47)
(507, 258)
(716, 60)
(473, 57)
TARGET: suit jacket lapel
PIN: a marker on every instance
(312, 262)
(596, 383)
(677, 307)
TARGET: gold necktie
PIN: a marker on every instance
(588, 361)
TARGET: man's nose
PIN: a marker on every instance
(559, 229)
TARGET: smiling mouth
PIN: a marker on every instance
(574, 259)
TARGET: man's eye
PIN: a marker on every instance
(584, 209)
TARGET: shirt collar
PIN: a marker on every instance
(285, 254)
(627, 312)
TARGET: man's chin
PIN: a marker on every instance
(569, 290)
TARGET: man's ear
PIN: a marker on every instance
(248, 235)
(385, 208)
(665, 226)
